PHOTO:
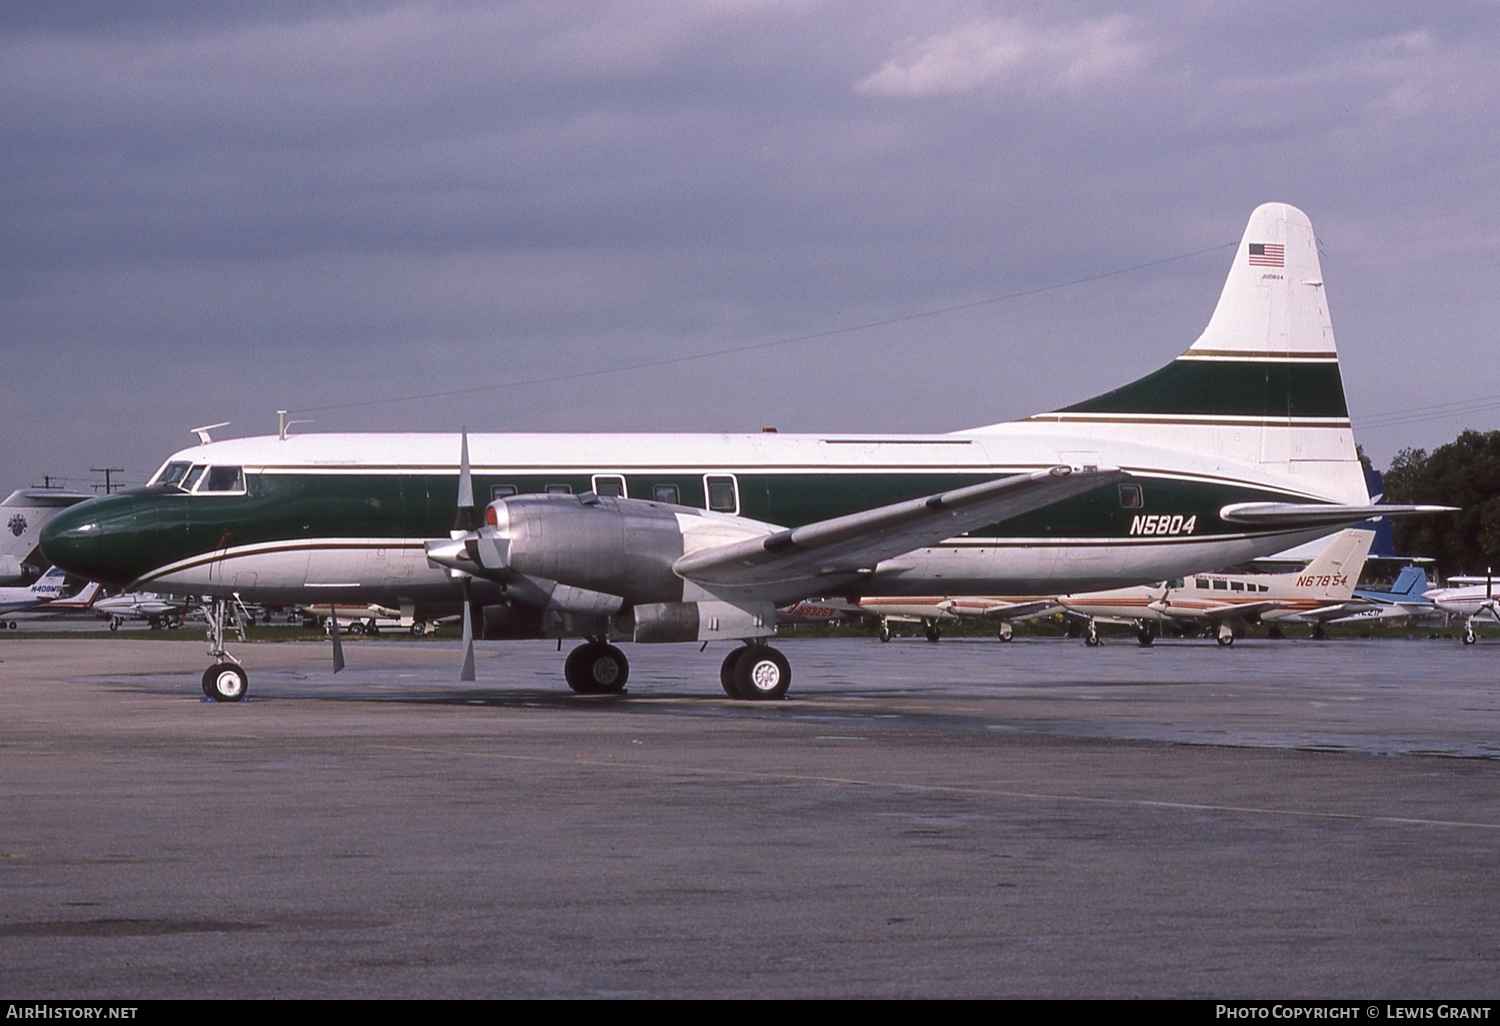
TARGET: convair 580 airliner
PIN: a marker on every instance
(1238, 448)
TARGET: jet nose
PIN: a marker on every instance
(92, 540)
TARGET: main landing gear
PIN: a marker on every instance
(755, 673)
(1225, 634)
(596, 668)
(225, 680)
(1091, 638)
(1006, 631)
(1469, 638)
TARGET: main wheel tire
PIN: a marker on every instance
(596, 669)
(1226, 639)
(726, 672)
(1006, 632)
(225, 682)
(114, 623)
(934, 633)
(1144, 637)
(885, 632)
(762, 674)
(1469, 638)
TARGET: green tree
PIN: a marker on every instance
(1463, 473)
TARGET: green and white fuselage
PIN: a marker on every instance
(1253, 413)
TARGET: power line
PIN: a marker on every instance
(757, 346)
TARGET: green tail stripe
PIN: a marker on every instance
(1228, 389)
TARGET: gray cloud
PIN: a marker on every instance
(207, 215)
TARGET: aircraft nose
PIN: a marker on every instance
(92, 539)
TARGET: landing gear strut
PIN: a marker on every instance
(755, 673)
(225, 680)
(596, 668)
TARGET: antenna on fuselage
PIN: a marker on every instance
(202, 432)
(282, 424)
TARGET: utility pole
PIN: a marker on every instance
(106, 471)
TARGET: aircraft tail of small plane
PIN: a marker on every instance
(1261, 384)
(1336, 570)
(1410, 584)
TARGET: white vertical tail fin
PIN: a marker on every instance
(1336, 570)
(1261, 385)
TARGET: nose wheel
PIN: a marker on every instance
(225, 682)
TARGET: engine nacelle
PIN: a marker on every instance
(606, 546)
(702, 621)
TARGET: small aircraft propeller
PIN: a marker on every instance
(464, 522)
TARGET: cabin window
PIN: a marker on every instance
(1221, 586)
(723, 497)
(1176, 582)
(192, 478)
(667, 493)
(501, 491)
(223, 479)
(1236, 585)
(559, 489)
(609, 486)
(1131, 496)
(172, 474)
(1201, 582)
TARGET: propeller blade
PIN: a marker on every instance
(338, 645)
(466, 672)
(464, 521)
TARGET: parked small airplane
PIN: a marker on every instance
(50, 587)
(1469, 600)
(1406, 600)
(160, 611)
(22, 515)
(932, 612)
(1240, 447)
(1224, 601)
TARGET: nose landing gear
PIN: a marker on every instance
(225, 680)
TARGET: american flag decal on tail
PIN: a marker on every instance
(1267, 254)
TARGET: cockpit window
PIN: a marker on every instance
(192, 478)
(172, 473)
(223, 479)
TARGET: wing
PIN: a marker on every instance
(1003, 610)
(852, 545)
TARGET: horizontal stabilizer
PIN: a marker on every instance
(1310, 514)
(854, 544)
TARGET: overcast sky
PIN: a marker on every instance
(212, 211)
